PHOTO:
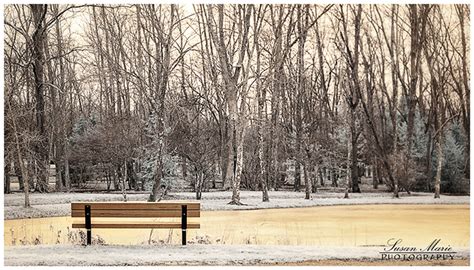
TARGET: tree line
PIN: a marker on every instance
(127, 93)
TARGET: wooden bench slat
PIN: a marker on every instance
(135, 205)
(137, 226)
(128, 213)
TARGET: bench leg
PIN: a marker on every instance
(88, 224)
(184, 223)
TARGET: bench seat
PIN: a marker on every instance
(136, 226)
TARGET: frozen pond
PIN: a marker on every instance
(356, 225)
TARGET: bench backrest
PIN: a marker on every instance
(135, 209)
(84, 213)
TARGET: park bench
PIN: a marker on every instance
(135, 215)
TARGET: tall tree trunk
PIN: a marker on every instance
(199, 182)
(277, 71)
(307, 182)
(67, 176)
(39, 35)
(238, 167)
(348, 166)
(233, 151)
(429, 171)
(375, 180)
(273, 137)
(158, 175)
(354, 165)
(124, 179)
(21, 162)
(223, 152)
(411, 95)
(24, 175)
(297, 176)
(301, 25)
(315, 172)
(439, 154)
(394, 70)
(6, 172)
(160, 92)
(261, 157)
(334, 177)
(231, 74)
(353, 93)
(417, 36)
(261, 96)
(230, 161)
(319, 171)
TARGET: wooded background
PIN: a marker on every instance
(229, 94)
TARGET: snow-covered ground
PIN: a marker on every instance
(58, 204)
(187, 255)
